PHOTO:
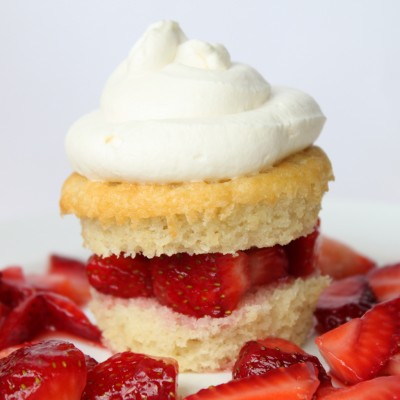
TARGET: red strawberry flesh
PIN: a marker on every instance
(129, 375)
(298, 381)
(121, 276)
(360, 348)
(302, 253)
(259, 357)
(385, 282)
(381, 388)
(338, 260)
(27, 312)
(210, 284)
(48, 370)
(267, 265)
(343, 300)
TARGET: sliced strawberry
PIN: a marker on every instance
(71, 283)
(13, 291)
(132, 376)
(62, 314)
(202, 284)
(48, 370)
(359, 349)
(27, 312)
(302, 253)
(66, 266)
(65, 276)
(121, 276)
(298, 381)
(381, 388)
(24, 322)
(385, 282)
(74, 288)
(339, 260)
(259, 357)
(267, 265)
(343, 300)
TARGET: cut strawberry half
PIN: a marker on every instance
(65, 276)
(129, 375)
(267, 265)
(120, 276)
(259, 357)
(202, 284)
(28, 312)
(385, 282)
(298, 381)
(339, 260)
(381, 388)
(342, 301)
(48, 370)
(302, 253)
(360, 348)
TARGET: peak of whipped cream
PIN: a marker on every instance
(178, 109)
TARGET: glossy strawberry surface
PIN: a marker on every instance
(201, 285)
(339, 260)
(259, 357)
(120, 276)
(297, 381)
(359, 349)
(27, 312)
(48, 370)
(342, 301)
(385, 281)
(133, 376)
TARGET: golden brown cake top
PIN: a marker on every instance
(120, 202)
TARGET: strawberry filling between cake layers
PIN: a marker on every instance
(203, 284)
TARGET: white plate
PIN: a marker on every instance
(370, 228)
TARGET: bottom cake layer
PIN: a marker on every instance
(208, 344)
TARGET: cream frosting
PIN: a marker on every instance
(179, 110)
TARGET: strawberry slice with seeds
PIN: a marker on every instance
(299, 381)
(121, 276)
(338, 260)
(202, 284)
(129, 375)
(302, 253)
(381, 388)
(259, 357)
(48, 370)
(267, 265)
(343, 300)
(360, 348)
(385, 282)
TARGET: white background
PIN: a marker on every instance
(55, 56)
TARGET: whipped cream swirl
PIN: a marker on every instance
(179, 110)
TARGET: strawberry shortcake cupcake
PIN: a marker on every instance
(198, 188)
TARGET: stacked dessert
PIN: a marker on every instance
(198, 188)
